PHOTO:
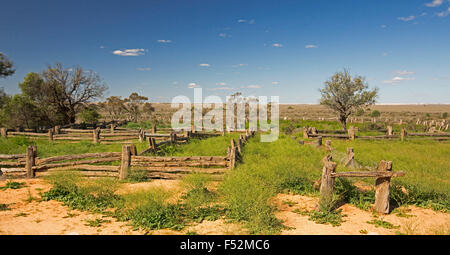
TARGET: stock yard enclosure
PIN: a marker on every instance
(119, 164)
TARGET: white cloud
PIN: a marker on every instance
(275, 83)
(278, 45)
(102, 47)
(435, 3)
(383, 26)
(251, 22)
(224, 35)
(385, 54)
(164, 41)
(205, 65)
(397, 79)
(221, 88)
(143, 69)
(407, 18)
(193, 85)
(129, 52)
(444, 13)
(311, 46)
(252, 87)
(239, 65)
(221, 84)
(404, 72)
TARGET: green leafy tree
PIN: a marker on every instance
(345, 94)
(20, 111)
(375, 113)
(6, 66)
(132, 104)
(90, 115)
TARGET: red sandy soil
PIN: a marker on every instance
(51, 217)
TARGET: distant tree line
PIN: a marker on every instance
(58, 96)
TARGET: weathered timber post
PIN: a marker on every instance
(403, 134)
(389, 130)
(233, 154)
(4, 132)
(125, 162)
(141, 135)
(153, 129)
(328, 145)
(327, 181)
(96, 135)
(350, 158)
(305, 132)
(133, 150)
(351, 133)
(319, 141)
(30, 161)
(112, 128)
(239, 145)
(50, 134)
(192, 128)
(313, 131)
(382, 188)
(57, 130)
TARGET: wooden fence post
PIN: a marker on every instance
(30, 161)
(112, 128)
(133, 150)
(350, 159)
(125, 162)
(232, 154)
(389, 130)
(4, 132)
(305, 132)
(382, 188)
(141, 135)
(327, 181)
(50, 134)
(153, 129)
(351, 133)
(319, 141)
(96, 135)
(57, 130)
(328, 145)
(403, 134)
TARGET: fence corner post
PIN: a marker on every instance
(125, 162)
(382, 188)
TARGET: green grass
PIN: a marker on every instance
(4, 207)
(382, 224)
(13, 185)
(213, 146)
(268, 168)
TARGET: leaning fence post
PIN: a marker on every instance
(141, 135)
(125, 162)
(350, 157)
(133, 150)
(4, 132)
(232, 154)
(327, 181)
(382, 188)
(30, 160)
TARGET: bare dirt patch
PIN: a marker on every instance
(419, 221)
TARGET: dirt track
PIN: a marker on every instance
(51, 217)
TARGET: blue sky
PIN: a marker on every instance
(263, 48)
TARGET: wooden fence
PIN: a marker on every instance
(383, 177)
(92, 164)
(351, 133)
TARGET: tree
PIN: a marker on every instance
(19, 111)
(344, 95)
(132, 104)
(90, 115)
(148, 110)
(115, 107)
(375, 113)
(64, 91)
(6, 66)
